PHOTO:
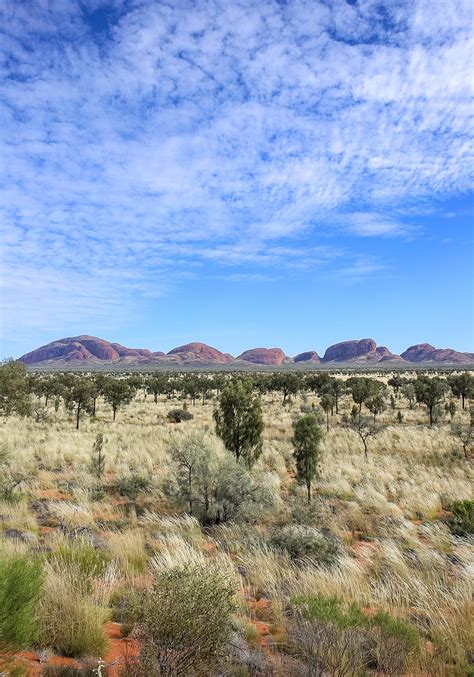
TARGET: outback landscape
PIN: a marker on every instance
(273, 202)
(265, 523)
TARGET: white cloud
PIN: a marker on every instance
(220, 132)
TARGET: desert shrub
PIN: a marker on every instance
(179, 415)
(380, 641)
(21, 583)
(87, 562)
(70, 621)
(304, 541)
(461, 522)
(133, 485)
(394, 642)
(186, 620)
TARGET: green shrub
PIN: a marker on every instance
(21, 583)
(331, 610)
(133, 485)
(178, 415)
(304, 541)
(187, 620)
(88, 562)
(461, 523)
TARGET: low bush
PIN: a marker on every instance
(21, 584)
(179, 415)
(133, 485)
(345, 633)
(187, 620)
(70, 621)
(304, 541)
(87, 562)
(461, 522)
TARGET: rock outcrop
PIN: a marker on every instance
(425, 352)
(200, 352)
(348, 350)
(309, 356)
(273, 356)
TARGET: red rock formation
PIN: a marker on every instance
(309, 356)
(348, 350)
(82, 349)
(274, 356)
(200, 352)
(424, 352)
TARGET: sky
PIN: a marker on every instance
(276, 173)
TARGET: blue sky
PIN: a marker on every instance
(274, 173)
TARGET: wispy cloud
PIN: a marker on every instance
(144, 140)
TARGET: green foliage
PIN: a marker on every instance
(14, 389)
(86, 561)
(179, 415)
(187, 620)
(98, 457)
(307, 436)
(430, 392)
(21, 583)
(133, 485)
(239, 421)
(305, 541)
(331, 610)
(461, 522)
(117, 393)
(213, 486)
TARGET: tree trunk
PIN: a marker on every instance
(93, 408)
(115, 411)
(327, 421)
(78, 415)
(431, 415)
(155, 397)
(365, 450)
(308, 487)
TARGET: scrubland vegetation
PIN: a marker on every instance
(257, 524)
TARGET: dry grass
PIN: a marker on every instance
(387, 560)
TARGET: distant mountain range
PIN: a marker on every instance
(86, 350)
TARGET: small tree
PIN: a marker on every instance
(430, 392)
(239, 421)
(462, 385)
(408, 391)
(465, 434)
(376, 405)
(98, 457)
(79, 395)
(365, 428)
(117, 393)
(450, 408)
(307, 436)
(328, 402)
(14, 389)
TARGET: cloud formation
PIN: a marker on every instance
(145, 140)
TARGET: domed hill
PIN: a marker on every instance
(273, 356)
(309, 356)
(200, 352)
(424, 352)
(363, 350)
(82, 349)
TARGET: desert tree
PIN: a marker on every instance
(363, 388)
(307, 436)
(287, 383)
(239, 421)
(365, 427)
(465, 434)
(408, 391)
(462, 385)
(328, 403)
(430, 392)
(14, 389)
(376, 404)
(117, 393)
(156, 385)
(79, 396)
